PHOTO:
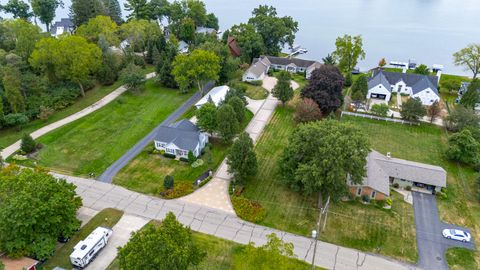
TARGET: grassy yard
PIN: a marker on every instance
(107, 218)
(146, 172)
(255, 92)
(94, 142)
(11, 135)
(350, 224)
(221, 254)
(461, 258)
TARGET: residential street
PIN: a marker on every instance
(98, 195)
(430, 241)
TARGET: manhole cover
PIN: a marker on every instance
(439, 258)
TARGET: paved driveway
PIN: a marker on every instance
(431, 244)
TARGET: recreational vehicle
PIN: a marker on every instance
(86, 250)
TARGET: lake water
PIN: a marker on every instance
(429, 31)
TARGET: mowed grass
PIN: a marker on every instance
(221, 254)
(254, 91)
(105, 218)
(10, 135)
(461, 258)
(91, 144)
(146, 172)
(427, 143)
(351, 224)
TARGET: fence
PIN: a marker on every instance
(369, 116)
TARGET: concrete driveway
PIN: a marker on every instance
(430, 241)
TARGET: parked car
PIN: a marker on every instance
(458, 235)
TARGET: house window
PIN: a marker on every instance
(400, 87)
(359, 191)
(374, 193)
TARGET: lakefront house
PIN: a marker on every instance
(383, 83)
(180, 138)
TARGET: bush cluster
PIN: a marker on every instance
(248, 210)
(179, 190)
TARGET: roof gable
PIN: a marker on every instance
(379, 79)
(409, 78)
(302, 63)
(184, 134)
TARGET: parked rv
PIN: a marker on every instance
(86, 250)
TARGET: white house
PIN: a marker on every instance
(183, 47)
(382, 84)
(181, 138)
(261, 66)
(65, 25)
(216, 95)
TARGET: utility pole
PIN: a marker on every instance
(315, 234)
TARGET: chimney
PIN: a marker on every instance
(389, 155)
(439, 75)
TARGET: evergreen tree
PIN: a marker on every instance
(360, 88)
(472, 96)
(239, 108)
(282, 90)
(164, 66)
(12, 86)
(241, 159)
(227, 123)
(139, 9)
(412, 110)
(207, 117)
(28, 144)
(463, 147)
(113, 9)
(83, 10)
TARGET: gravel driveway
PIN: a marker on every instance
(430, 241)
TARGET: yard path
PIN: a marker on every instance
(97, 195)
(8, 151)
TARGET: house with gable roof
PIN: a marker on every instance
(181, 138)
(383, 83)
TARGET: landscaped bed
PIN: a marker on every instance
(10, 135)
(106, 218)
(91, 144)
(352, 224)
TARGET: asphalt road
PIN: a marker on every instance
(430, 241)
(111, 171)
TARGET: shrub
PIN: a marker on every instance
(15, 120)
(162, 152)
(191, 157)
(45, 113)
(19, 157)
(168, 182)
(197, 163)
(256, 83)
(389, 201)
(442, 195)
(248, 210)
(408, 188)
(184, 159)
(205, 181)
(396, 185)
(179, 190)
(348, 80)
(307, 110)
(167, 155)
(380, 109)
(28, 145)
(366, 198)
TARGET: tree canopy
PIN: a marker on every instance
(283, 90)
(463, 147)
(461, 118)
(207, 117)
(227, 123)
(472, 96)
(45, 10)
(412, 110)
(469, 58)
(18, 9)
(360, 88)
(276, 31)
(249, 40)
(82, 11)
(307, 110)
(167, 246)
(422, 69)
(139, 9)
(321, 155)
(348, 51)
(241, 159)
(325, 88)
(198, 67)
(99, 26)
(35, 210)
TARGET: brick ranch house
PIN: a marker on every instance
(384, 171)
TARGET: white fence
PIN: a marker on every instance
(369, 116)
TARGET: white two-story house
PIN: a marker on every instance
(180, 138)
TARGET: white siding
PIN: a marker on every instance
(248, 77)
(379, 89)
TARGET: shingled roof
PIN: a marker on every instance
(377, 79)
(284, 61)
(410, 79)
(184, 134)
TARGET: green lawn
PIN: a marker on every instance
(349, 224)
(106, 218)
(221, 254)
(11, 135)
(94, 142)
(461, 258)
(146, 172)
(255, 92)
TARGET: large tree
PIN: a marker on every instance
(227, 123)
(463, 147)
(35, 210)
(249, 41)
(461, 118)
(325, 88)
(113, 9)
(275, 31)
(283, 90)
(238, 106)
(348, 51)
(434, 111)
(139, 9)
(139, 33)
(12, 89)
(275, 254)
(307, 110)
(469, 58)
(207, 117)
(20, 36)
(412, 110)
(18, 9)
(45, 10)
(164, 65)
(199, 67)
(82, 11)
(69, 57)
(229, 64)
(472, 96)
(163, 247)
(133, 77)
(99, 26)
(360, 88)
(422, 70)
(241, 159)
(159, 9)
(321, 156)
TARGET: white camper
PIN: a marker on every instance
(86, 250)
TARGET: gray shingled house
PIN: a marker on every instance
(180, 138)
(383, 171)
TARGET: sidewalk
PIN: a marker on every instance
(8, 151)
